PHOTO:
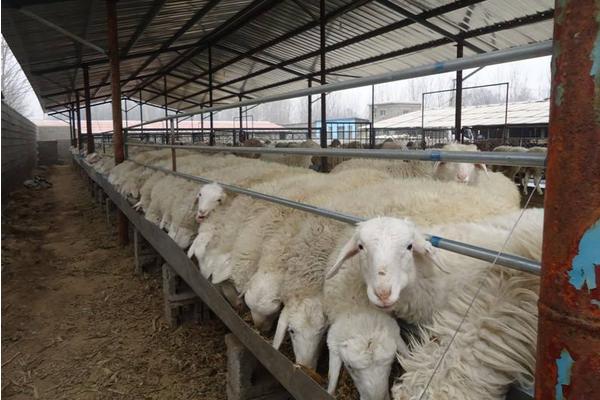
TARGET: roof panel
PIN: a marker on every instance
(58, 59)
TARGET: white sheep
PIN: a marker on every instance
(394, 254)
(365, 340)
(536, 172)
(293, 160)
(500, 329)
(510, 171)
(426, 201)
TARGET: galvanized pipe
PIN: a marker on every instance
(568, 347)
(495, 57)
(506, 260)
(488, 157)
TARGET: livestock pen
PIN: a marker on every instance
(181, 73)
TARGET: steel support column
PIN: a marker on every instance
(166, 99)
(88, 111)
(78, 116)
(72, 126)
(568, 347)
(309, 132)
(322, 44)
(211, 137)
(142, 116)
(458, 97)
(115, 76)
(372, 130)
(241, 124)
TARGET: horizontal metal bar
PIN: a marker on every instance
(487, 157)
(506, 260)
(491, 58)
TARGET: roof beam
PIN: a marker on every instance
(78, 52)
(139, 31)
(174, 75)
(423, 21)
(190, 23)
(62, 30)
(266, 62)
(295, 32)
(359, 38)
(517, 22)
(240, 19)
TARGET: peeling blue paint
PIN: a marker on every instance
(595, 56)
(563, 375)
(558, 97)
(440, 66)
(583, 270)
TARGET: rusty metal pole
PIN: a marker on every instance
(211, 137)
(115, 75)
(568, 348)
(88, 111)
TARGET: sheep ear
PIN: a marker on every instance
(425, 248)
(349, 250)
(483, 168)
(335, 366)
(282, 326)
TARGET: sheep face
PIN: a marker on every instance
(263, 301)
(209, 197)
(466, 173)
(305, 321)
(386, 247)
(366, 343)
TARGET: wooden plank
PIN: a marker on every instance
(295, 381)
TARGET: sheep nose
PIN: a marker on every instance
(383, 294)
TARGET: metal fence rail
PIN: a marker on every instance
(490, 157)
(506, 260)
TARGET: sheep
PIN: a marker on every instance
(105, 165)
(510, 171)
(463, 172)
(293, 160)
(92, 158)
(360, 337)
(426, 201)
(396, 168)
(424, 290)
(500, 330)
(536, 172)
(275, 227)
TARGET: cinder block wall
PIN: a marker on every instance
(19, 149)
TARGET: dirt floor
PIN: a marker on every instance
(77, 323)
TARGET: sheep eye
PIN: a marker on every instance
(291, 331)
(219, 201)
(409, 247)
(361, 247)
(199, 194)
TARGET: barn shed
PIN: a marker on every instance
(183, 257)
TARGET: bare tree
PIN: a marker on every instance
(14, 83)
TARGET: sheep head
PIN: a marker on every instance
(467, 173)
(366, 343)
(305, 321)
(387, 248)
(209, 197)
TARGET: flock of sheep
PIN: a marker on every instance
(375, 293)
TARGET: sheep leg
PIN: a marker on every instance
(537, 179)
(525, 182)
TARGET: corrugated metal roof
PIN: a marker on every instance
(363, 38)
(523, 113)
